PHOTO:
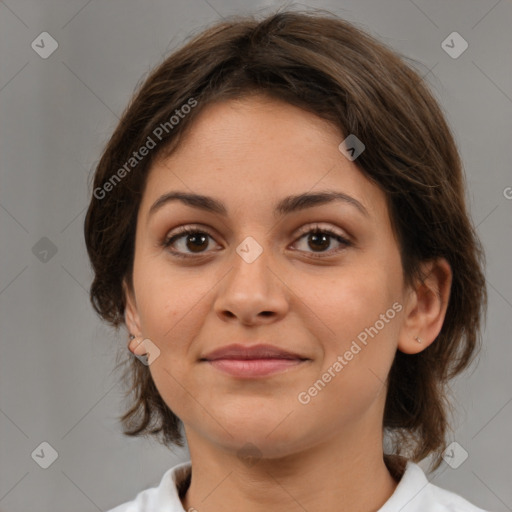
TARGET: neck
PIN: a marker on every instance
(338, 475)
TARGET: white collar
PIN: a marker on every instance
(414, 493)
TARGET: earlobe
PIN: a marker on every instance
(137, 346)
(426, 309)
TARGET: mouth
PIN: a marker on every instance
(251, 368)
(247, 362)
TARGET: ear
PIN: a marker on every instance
(131, 313)
(426, 307)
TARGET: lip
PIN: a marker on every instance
(253, 361)
(243, 352)
(253, 368)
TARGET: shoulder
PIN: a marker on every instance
(164, 497)
(415, 493)
(450, 502)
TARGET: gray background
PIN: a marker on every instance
(56, 378)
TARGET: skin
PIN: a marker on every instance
(324, 455)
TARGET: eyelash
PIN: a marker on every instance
(183, 231)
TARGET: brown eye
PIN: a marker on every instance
(188, 241)
(196, 242)
(319, 241)
(192, 241)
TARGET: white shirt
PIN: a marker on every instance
(414, 493)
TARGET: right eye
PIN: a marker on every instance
(193, 238)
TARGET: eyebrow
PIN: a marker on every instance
(285, 206)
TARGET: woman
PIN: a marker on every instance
(279, 222)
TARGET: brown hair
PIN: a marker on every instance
(329, 67)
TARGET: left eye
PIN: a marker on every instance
(196, 241)
(322, 237)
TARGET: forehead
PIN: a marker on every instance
(257, 150)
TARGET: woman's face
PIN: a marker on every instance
(255, 274)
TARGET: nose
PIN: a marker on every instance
(253, 292)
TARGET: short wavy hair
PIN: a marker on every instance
(327, 66)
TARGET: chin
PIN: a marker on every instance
(271, 437)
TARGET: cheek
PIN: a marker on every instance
(164, 295)
(166, 303)
(352, 301)
(363, 312)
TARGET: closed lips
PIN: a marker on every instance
(241, 352)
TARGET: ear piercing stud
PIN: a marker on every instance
(132, 337)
